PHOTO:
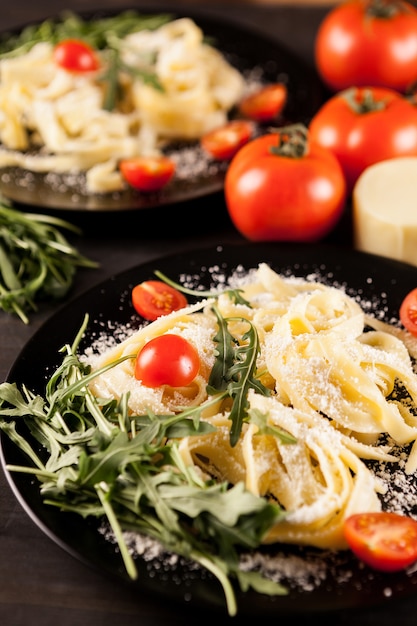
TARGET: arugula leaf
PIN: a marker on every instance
(101, 33)
(260, 419)
(95, 31)
(234, 370)
(234, 294)
(36, 260)
(97, 460)
(242, 378)
(225, 356)
(235, 365)
(115, 67)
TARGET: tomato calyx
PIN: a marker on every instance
(292, 141)
(411, 93)
(368, 43)
(363, 101)
(384, 9)
(274, 188)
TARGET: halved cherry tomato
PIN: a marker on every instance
(408, 312)
(385, 541)
(167, 360)
(147, 173)
(76, 56)
(222, 143)
(266, 104)
(154, 298)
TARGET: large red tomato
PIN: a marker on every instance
(368, 42)
(283, 187)
(364, 126)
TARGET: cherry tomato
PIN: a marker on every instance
(225, 141)
(364, 126)
(167, 360)
(265, 104)
(76, 56)
(154, 298)
(368, 42)
(385, 541)
(276, 190)
(147, 173)
(408, 312)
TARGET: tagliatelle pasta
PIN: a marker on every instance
(338, 382)
(60, 114)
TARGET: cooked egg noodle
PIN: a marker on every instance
(94, 461)
(155, 85)
(322, 392)
(329, 380)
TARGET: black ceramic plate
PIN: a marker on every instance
(245, 50)
(345, 584)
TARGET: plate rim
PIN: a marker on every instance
(205, 595)
(38, 193)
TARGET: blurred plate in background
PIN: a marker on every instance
(197, 175)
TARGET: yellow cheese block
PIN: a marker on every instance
(384, 202)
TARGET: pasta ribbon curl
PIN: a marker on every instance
(341, 386)
(54, 120)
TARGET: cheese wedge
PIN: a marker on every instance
(384, 202)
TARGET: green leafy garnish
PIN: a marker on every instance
(36, 260)
(103, 462)
(95, 31)
(234, 369)
(101, 33)
(234, 294)
(114, 92)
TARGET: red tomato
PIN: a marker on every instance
(154, 298)
(368, 42)
(364, 126)
(224, 142)
(266, 104)
(382, 540)
(167, 360)
(76, 56)
(408, 312)
(148, 173)
(272, 196)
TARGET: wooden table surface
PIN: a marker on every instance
(40, 583)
